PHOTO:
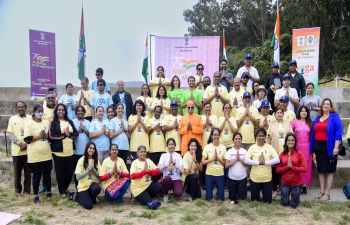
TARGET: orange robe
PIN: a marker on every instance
(186, 135)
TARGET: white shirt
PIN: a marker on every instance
(237, 171)
(253, 72)
(174, 171)
(257, 103)
(292, 93)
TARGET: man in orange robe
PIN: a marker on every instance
(190, 127)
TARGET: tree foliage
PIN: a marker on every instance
(249, 25)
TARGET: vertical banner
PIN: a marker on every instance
(306, 51)
(42, 63)
(180, 56)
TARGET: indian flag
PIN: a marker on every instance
(82, 48)
(275, 42)
(145, 62)
(224, 45)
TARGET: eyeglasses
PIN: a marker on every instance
(217, 76)
(100, 85)
(97, 74)
(52, 98)
(200, 69)
(190, 107)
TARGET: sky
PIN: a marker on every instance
(115, 34)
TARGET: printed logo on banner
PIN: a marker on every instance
(310, 40)
(42, 35)
(306, 69)
(38, 59)
(301, 40)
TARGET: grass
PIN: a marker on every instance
(71, 204)
(119, 210)
(31, 220)
(316, 214)
(149, 214)
(109, 221)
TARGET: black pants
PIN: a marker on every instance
(19, 163)
(265, 188)
(155, 157)
(89, 118)
(123, 154)
(41, 169)
(192, 186)
(133, 156)
(237, 189)
(64, 167)
(146, 196)
(75, 160)
(203, 174)
(88, 198)
(293, 192)
(275, 179)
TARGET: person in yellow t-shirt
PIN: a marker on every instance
(288, 115)
(159, 80)
(265, 118)
(39, 151)
(214, 157)
(138, 128)
(114, 176)
(147, 99)
(161, 100)
(61, 134)
(235, 97)
(84, 97)
(227, 126)
(217, 95)
(276, 137)
(247, 120)
(49, 106)
(261, 156)
(142, 187)
(87, 173)
(192, 167)
(15, 131)
(170, 125)
(209, 121)
(156, 136)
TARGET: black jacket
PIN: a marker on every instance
(298, 82)
(128, 102)
(56, 136)
(270, 80)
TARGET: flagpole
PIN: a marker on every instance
(150, 53)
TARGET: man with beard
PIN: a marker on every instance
(226, 78)
(273, 83)
(191, 94)
(206, 82)
(244, 82)
(235, 97)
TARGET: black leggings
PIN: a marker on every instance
(275, 179)
(237, 189)
(64, 167)
(39, 169)
(192, 186)
(123, 154)
(76, 159)
(146, 196)
(265, 188)
(88, 198)
(293, 192)
(155, 157)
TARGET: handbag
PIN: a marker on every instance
(341, 148)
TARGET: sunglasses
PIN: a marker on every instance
(52, 98)
(200, 69)
(98, 74)
(190, 107)
(100, 85)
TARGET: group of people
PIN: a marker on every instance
(200, 135)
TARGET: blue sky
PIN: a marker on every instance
(115, 33)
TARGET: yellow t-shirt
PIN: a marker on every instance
(231, 97)
(169, 120)
(48, 113)
(67, 142)
(216, 104)
(40, 150)
(214, 168)
(138, 136)
(88, 95)
(288, 115)
(200, 87)
(16, 126)
(245, 89)
(137, 186)
(186, 162)
(262, 119)
(261, 173)
(206, 130)
(107, 167)
(157, 143)
(247, 128)
(166, 103)
(154, 89)
(149, 101)
(85, 182)
(227, 134)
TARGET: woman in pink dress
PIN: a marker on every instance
(301, 127)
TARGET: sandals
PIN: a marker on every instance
(319, 196)
(325, 198)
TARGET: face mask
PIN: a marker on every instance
(38, 115)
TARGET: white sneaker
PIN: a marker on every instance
(166, 198)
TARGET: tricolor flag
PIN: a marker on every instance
(145, 62)
(82, 49)
(224, 45)
(275, 42)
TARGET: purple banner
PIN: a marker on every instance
(42, 63)
(180, 55)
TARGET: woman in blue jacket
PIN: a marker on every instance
(325, 138)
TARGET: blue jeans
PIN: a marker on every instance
(219, 181)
